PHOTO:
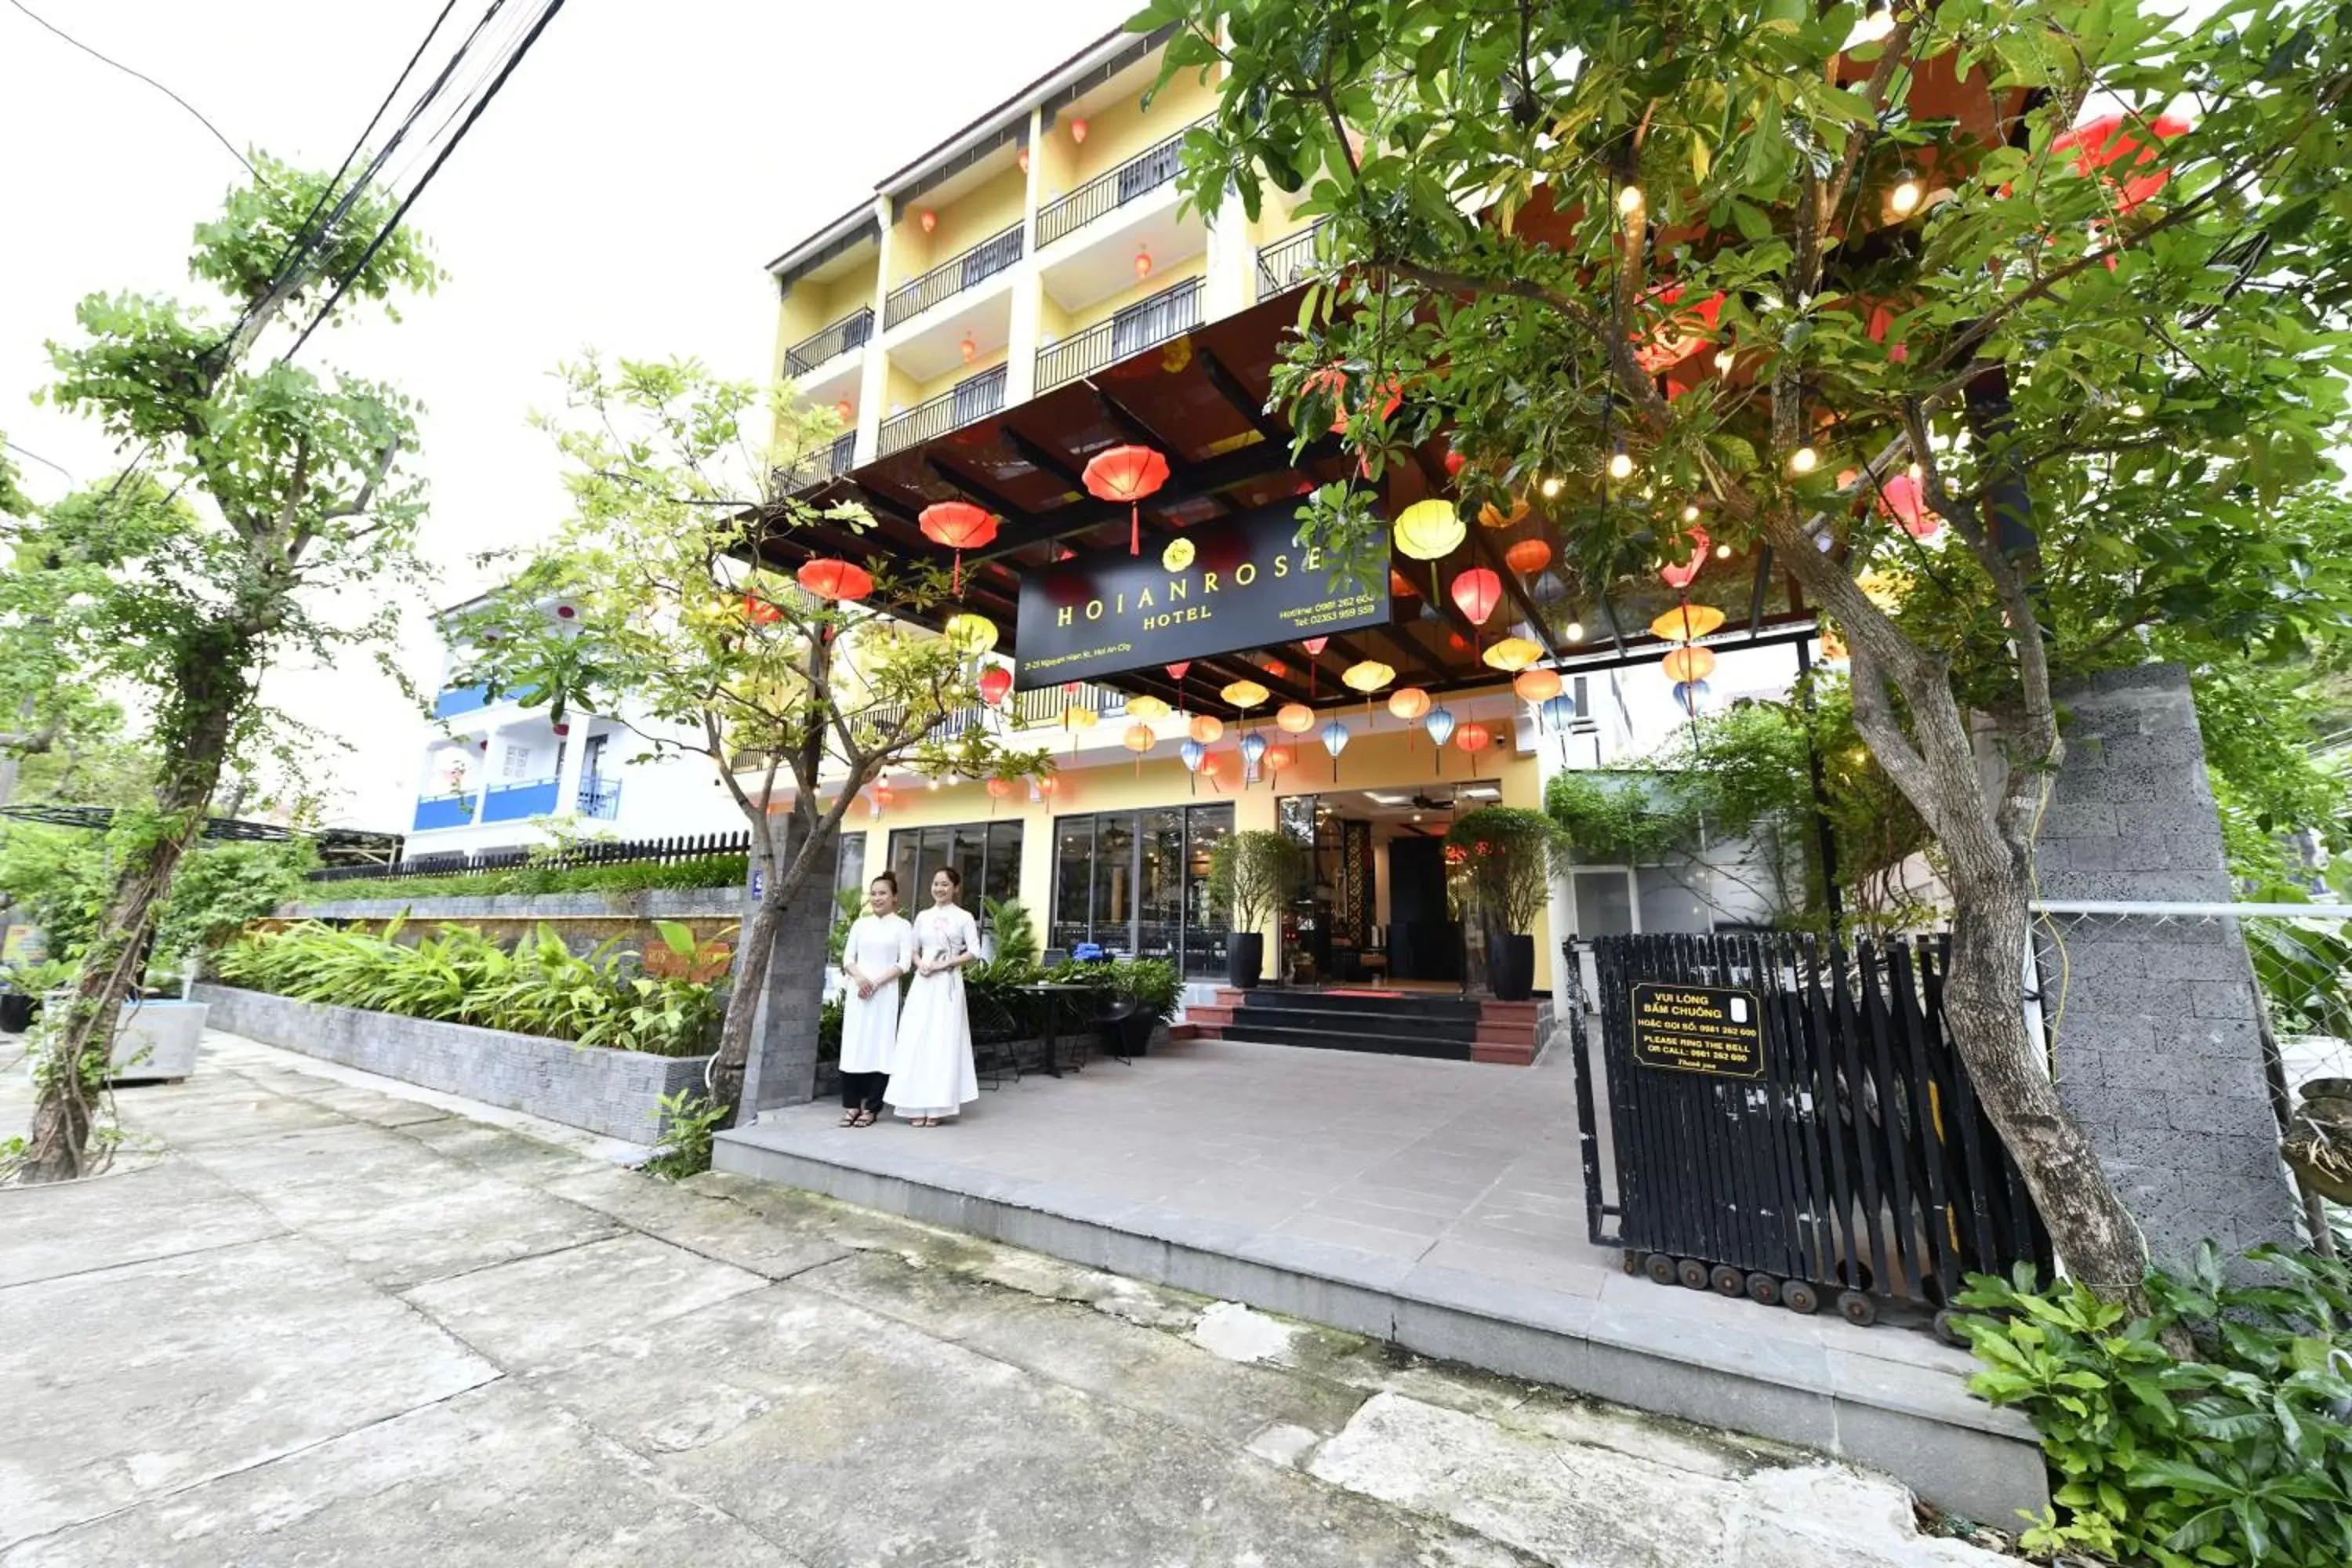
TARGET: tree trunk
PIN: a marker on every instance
(74, 1062)
(752, 953)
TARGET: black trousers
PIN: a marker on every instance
(863, 1091)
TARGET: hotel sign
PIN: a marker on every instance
(1698, 1028)
(1237, 583)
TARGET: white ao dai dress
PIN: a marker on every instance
(932, 1074)
(869, 1025)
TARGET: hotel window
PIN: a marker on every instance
(849, 870)
(1138, 883)
(988, 854)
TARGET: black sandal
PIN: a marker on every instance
(862, 1119)
(849, 1118)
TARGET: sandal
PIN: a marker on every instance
(849, 1118)
(862, 1119)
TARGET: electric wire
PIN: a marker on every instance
(143, 76)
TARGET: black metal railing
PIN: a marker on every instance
(1167, 314)
(600, 798)
(849, 333)
(654, 851)
(974, 397)
(833, 462)
(1283, 264)
(1047, 704)
(1139, 176)
(952, 277)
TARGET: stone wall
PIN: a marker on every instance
(2157, 1046)
(646, 904)
(612, 1092)
(781, 1069)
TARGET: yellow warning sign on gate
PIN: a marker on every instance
(1698, 1028)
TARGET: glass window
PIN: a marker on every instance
(1074, 853)
(1667, 905)
(987, 854)
(1114, 913)
(1604, 904)
(849, 870)
(1137, 882)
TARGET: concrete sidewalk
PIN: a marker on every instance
(340, 1322)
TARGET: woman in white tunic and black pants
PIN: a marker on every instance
(879, 951)
(932, 1077)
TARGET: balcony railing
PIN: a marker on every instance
(1282, 265)
(835, 460)
(600, 798)
(1046, 705)
(952, 277)
(1170, 313)
(1145, 173)
(827, 342)
(974, 397)
(515, 802)
(444, 811)
(460, 699)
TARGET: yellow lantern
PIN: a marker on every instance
(1536, 685)
(1490, 516)
(969, 634)
(1429, 530)
(1077, 718)
(1294, 718)
(1372, 675)
(1147, 708)
(1409, 703)
(1244, 694)
(1139, 738)
(1688, 664)
(1208, 730)
(1687, 624)
(1512, 654)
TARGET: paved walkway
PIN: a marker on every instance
(338, 1319)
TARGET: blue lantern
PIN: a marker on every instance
(1253, 748)
(1192, 752)
(1557, 713)
(1690, 696)
(1439, 723)
(1335, 741)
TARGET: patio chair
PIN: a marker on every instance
(994, 1032)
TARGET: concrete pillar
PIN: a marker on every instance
(574, 749)
(781, 1069)
(2156, 1042)
(485, 754)
(874, 371)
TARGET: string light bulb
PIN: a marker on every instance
(1575, 631)
(1621, 464)
(1690, 512)
(1552, 486)
(1629, 200)
(1722, 552)
(1916, 472)
(1724, 359)
(1904, 198)
(2135, 410)
(1805, 460)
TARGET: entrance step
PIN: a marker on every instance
(1404, 1024)
(1255, 1026)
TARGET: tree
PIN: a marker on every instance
(1781, 256)
(681, 484)
(264, 489)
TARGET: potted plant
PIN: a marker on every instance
(1146, 992)
(1502, 859)
(1250, 874)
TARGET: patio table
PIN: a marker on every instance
(1054, 991)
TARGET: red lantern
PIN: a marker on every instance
(1315, 646)
(1399, 584)
(1178, 670)
(565, 612)
(1453, 461)
(760, 612)
(830, 579)
(1473, 738)
(2098, 142)
(995, 681)
(1477, 592)
(1682, 333)
(957, 525)
(1901, 495)
(1527, 557)
(1127, 474)
(1678, 577)
(562, 728)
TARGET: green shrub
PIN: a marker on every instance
(708, 871)
(459, 975)
(688, 1121)
(2243, 1455)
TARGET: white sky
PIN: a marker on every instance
(622, 193)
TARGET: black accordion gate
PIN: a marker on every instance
(1784, 1117)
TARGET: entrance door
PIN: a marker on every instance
(1424, 944)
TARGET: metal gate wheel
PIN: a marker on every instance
(1727, 1280)
(1798, 1297)
(1764, 1289)
(1659, 1268)
(1857, 1309)
(1632, 1261)
(1947, 1329)
(1692, 1274)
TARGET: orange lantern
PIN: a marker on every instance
(1409, 703)
(1294, 718)
(995, 681)
(1139, 738)
(1142, 261)
(1686, 624)
(1477, 592)
(1079, 131)
(1206, 730)
(1492, 518)
(1688, 664)
(1527, 557)
(1144, 710)
(1473, 738)
(957, 525)
(1127, 474)
(760, 612)
(928, 219)
(1399, 584)
(844, 410)
(1279, 758)
(1536, 685)
(831, 579)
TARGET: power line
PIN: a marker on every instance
(143, 76)
(23, 451)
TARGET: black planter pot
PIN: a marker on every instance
(16, 1012)
(1245, 958)
(1511, 967)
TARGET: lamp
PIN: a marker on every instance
(1690, 695)
(1408, 702)
(1477, 592)
(830, 579)
(969, 634)
(1244, 694)
(1473, 738)
(1536, 685)
(995, 682)
(1429, 530)
(1490, 516)
(1335, 741)
(1689, 663)
(1294, 718)
(1127, 474)
(1206, 730)
(1512, 655)
(958, 525)
(1139, 738)
(1149, 710)
(1688, 622)
(1527, 557)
